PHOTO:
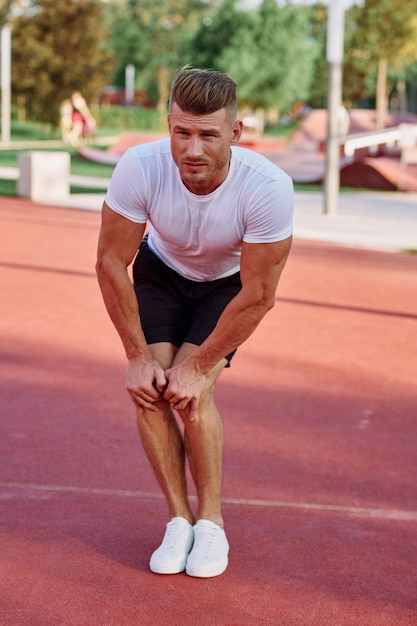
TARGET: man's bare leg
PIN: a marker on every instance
(164, 446)
(204, 445)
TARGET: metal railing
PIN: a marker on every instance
(403, 136)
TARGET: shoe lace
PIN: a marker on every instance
(205, 540)
(172, 535)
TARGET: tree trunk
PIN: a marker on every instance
(402, 96)
(163, 87)
(381, 94)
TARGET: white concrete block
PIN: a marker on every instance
(44, 176)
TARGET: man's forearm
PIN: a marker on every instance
(237, 322)
(260, 270)
(122, 307)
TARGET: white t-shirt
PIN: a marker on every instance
(200, 237)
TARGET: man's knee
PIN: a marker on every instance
(163, 411)
(205, 408)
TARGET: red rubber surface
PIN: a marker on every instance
(320, 412)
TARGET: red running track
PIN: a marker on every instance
(320, 412)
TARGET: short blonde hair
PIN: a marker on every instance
(201, 91)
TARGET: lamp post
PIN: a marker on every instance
(334, 54)
(5, 82)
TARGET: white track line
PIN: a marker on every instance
(382, 514)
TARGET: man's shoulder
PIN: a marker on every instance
(257, 163)
(151, 148)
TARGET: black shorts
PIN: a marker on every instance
(176, 309)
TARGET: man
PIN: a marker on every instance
(220, 232)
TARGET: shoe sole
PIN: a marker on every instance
(209, 572)
(155, 570)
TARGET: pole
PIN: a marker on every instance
(130, 83)
(332, 175)
(335, 36)
(5, 82)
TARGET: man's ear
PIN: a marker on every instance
(236, 132)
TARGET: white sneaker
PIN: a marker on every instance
(171, 556)
(209, 556)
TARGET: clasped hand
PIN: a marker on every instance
(147, 384)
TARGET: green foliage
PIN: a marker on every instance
(410, 72)
(57, 49)
(384, 26)
(127, 118)
(272, 58)
(5, 8)
(318, 32)
(275, 52)
(128, 38)
(268, 51)
(214, 35)
(151, 34)
(378, 29)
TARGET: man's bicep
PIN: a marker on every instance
(119, 237)
(262, 264)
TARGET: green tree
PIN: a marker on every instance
(5, 7)
(410, 74)
(402, 68)
(57, 49)
(150, 34)
(384, 31)
(272, 59)
(216, 32)
(129, 38)
(318, 29)
(356, 62)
